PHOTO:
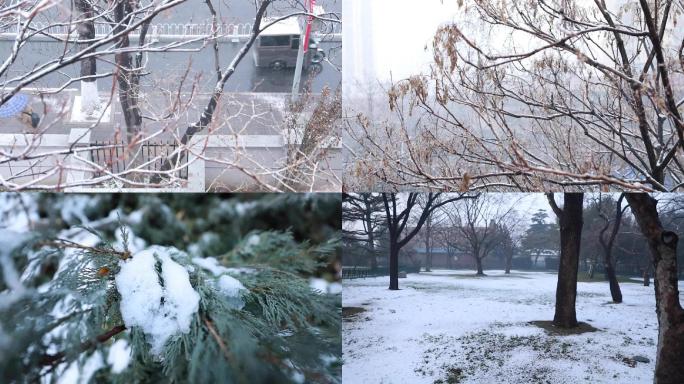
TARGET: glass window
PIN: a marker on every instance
(295, 42)
(275, 41)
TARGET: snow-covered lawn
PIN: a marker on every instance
(446, 326)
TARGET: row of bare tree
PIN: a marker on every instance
(404, 215)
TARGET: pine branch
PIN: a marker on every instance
(53, 359)
(229, 357)
(62, 243)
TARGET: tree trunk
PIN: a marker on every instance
(478, 261)
(591, 271)
(663, 247)
(128, 87)
(428, 248)
(647, 278)
(607, 245)
(570, 239)
(371, 247)
(394, 267)
(509, 262)
(90, 100)
(615, 291)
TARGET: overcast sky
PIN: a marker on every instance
(389, 36)
(376, 46)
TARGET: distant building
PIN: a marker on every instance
(543, 259)
(447, 247)
(444, 258)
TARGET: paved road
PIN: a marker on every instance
(166, 68)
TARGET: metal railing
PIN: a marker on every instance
(114, 156)
(359, 273)
(164, 31)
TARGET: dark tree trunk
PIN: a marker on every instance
(570, 239)
(509, 262)
(428, 248)
(371, 247)
(607, 245)
(478, 261)
(591, 271)
(394, 267)
(128, 87)
(86, 31)
(669, 367)
(428, 257)
(90, 101)
(647, 278)
(615, 292)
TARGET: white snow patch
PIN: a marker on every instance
(225, 283)
(83, 237)
(436, 315)
(324, 286)
(9, 240)
(92, 365)
(328, 358)
(233, 289)
(90, 99)
(73, 207)
(242, 208)
(77, 375)
(70, 376)
(296, 375)
(136, 217)
(252, 241)
(161, 311)
(119, 356)
(210, 264)
(18, 211)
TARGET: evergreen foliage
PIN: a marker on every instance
(61, 308)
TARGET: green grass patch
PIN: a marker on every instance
(511, 275)
(600, 278)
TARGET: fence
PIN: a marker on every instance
(356, 273)
(259, 154)
(73, 156)
(115, 157)
(233, 32)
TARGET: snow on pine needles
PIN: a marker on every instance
(148, 288)
(450, 326)
(156, 295)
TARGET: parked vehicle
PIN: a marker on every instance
(278, 45)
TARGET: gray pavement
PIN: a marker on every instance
(238, 113)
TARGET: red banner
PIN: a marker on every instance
(309, 21)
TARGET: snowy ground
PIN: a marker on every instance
(446, 326)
